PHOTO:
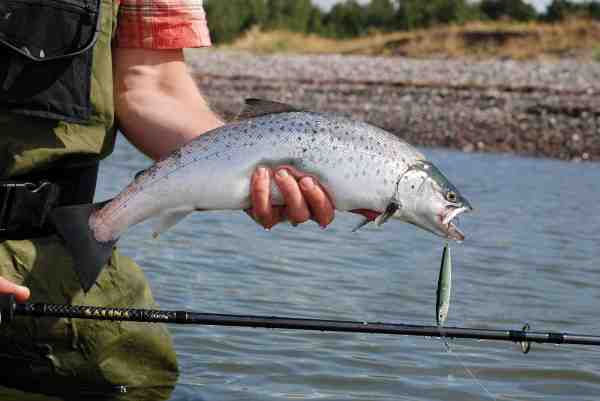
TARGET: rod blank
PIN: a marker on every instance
(8, 309)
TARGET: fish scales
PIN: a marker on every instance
(357, 163)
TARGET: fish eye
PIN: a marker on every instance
(451, 196)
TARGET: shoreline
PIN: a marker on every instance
(541, 109)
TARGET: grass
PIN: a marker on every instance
(574, 38)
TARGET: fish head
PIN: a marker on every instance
(430, 201)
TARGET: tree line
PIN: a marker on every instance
(230, 18)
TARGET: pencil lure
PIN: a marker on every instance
(444, 291)
(444, 288)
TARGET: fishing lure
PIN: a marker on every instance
(442, 306)
(444, 288)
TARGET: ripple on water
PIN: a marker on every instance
(531, 255)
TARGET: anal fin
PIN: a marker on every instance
(168, 219)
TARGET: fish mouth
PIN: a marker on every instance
(449, 222)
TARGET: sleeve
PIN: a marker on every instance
(162, 24)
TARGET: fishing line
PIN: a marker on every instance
(443, 295)
(444, 341)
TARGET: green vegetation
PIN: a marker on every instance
(350, 19)
(596, 54)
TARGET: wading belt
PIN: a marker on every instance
(26, 201)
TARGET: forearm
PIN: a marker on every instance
(158, 105)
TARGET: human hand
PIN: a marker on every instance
(303, 196)
(21, 293)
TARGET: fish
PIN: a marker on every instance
(444, 287)
(363, 169)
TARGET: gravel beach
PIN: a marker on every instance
(549, 109)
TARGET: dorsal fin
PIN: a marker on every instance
(261, 107)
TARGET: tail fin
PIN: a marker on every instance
(89, 255)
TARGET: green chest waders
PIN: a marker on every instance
(56, 123)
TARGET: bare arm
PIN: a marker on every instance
(158, 105)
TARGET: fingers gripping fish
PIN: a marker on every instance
(362, 167)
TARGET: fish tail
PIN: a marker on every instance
(89, 255)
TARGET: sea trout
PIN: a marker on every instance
(361, 167)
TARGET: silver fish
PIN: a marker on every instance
(444, 288)
(362, 167)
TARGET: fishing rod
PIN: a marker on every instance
(9, 309)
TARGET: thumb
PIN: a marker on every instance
(21, 293)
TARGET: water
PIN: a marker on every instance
(532, 255)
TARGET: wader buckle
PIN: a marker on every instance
(24, 206)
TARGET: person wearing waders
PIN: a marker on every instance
(71, 74)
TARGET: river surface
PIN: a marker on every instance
(532, 255)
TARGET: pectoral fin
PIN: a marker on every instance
(392, 208)
(361, 224)
(369, 216)
(168, 219)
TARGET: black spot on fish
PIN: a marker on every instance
(304, 150)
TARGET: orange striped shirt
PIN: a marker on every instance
(162, 24)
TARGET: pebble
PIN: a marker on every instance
(534, 108)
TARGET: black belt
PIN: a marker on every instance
(26, 201)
